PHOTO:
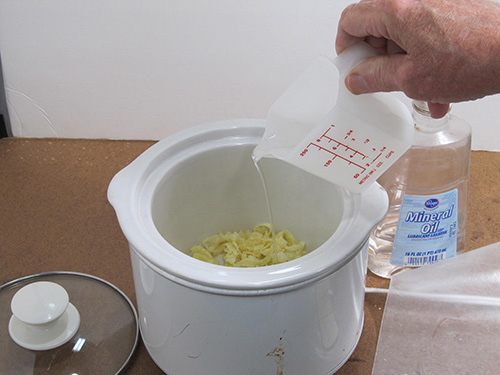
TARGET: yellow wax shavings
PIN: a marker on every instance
(249, 248)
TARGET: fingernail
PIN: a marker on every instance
(357, 84)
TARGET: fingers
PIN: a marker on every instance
(385, 74)
(347, 33)
(359, 21)
(438, 110)
(377, 74)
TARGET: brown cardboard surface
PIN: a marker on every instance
(54, 216)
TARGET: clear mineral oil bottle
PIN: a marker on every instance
(427, 190)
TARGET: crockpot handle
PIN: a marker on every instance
(117, 188)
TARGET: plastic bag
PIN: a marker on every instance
(444, 318)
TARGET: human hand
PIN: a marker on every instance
(440, 51)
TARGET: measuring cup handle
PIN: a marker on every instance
(351, 57)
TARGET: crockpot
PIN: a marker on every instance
(301, 317)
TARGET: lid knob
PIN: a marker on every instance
(43, 318)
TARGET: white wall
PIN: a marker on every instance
(143, 69)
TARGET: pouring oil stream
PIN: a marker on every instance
(258, 165)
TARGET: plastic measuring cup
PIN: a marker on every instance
(321, 127)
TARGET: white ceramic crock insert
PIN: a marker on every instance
(300, 317)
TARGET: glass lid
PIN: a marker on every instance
(65, 323)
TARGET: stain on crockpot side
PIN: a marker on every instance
(279, 353)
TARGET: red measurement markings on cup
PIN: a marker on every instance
(344, 148)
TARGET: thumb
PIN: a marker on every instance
(375, 74)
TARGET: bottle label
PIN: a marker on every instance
(427, 229)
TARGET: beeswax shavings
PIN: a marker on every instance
(254, 248)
